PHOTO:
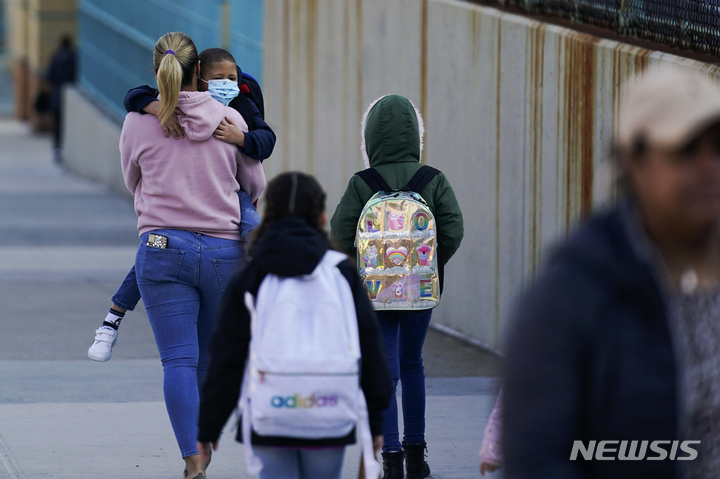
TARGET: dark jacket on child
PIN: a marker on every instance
(392, 145)
(590, 358)
(259, 139)
(289, 247)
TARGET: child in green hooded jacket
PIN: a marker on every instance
(392, 145)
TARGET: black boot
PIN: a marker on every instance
(417, 468)
(393, 465)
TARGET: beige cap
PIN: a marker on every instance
(668, 107)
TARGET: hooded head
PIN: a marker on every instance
(392, 132)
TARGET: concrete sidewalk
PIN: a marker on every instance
(65, 245)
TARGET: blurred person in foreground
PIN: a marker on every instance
(619, 338)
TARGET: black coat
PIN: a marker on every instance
(259, 139)
(288, 248)
(590, 357)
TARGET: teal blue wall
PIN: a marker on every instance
(2, 26)
(116, 38)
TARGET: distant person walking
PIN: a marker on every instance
(618, 340)
(61, 71)
(188, 217)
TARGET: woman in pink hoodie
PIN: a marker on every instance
(188, 218)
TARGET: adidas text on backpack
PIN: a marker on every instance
(303, 375)
(396, 243)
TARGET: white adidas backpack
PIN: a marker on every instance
(302, 379)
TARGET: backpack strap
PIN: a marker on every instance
(254, 464)
(421, 179)
(333, 258)
(330, 259)
(372, 466)
(374, 180)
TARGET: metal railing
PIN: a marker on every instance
(688, 24)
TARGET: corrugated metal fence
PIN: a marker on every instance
(117, 38)
(519, 115)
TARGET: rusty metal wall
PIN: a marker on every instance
(518, 115)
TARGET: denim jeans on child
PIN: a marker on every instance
(128, 295)
(285, 463)
(182, 286)
(404, 333)
(249, 217)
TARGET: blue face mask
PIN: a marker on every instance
(223, 91)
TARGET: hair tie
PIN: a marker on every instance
(169, 51)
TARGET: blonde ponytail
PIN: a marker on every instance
(175, 58)
(169, 80)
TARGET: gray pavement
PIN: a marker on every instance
(65, 245)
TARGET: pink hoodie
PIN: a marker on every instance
(191, 183)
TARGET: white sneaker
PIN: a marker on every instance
(105, 339)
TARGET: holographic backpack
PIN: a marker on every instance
(396, 243)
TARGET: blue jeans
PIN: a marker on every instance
(285, 463)
(404, 333)
(249, 217)
(182, 286)
(128, 295)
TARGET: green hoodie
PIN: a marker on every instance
(392, 146)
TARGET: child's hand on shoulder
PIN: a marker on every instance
(172, 126)
(229, 132)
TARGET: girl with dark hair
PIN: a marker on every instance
(290, 242)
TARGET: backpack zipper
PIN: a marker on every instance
(263, 373)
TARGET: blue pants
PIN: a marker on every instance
(128, 295)
(182, 286)
(404, 333)
(284, 463)
(249, 217)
